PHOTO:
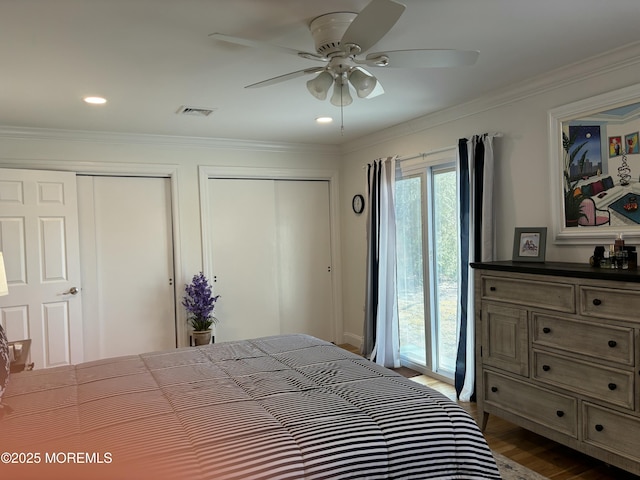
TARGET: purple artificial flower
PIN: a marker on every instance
(199, 302)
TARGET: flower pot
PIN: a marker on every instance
(201, 338)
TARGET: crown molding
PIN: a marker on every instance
(605, 63)
(7, 131)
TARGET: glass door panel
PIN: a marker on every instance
(410, 269)
(445, 270)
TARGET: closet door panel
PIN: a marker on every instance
(304, 252)
(243, 252)
(127, 265)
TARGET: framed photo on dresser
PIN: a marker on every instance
(529, 244)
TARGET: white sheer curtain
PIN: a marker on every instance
(381, 341)
(477, 244)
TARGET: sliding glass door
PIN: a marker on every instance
(427, 243)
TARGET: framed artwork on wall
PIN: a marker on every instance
(594, 156)
(529, 244)
(631, 143)
(615, 146)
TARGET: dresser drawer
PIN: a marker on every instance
(611, 303)
(612, 431)
(539, 405)
(614, 386)
(604, 342)
(550, 295)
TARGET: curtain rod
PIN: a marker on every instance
(492, 135)
(431, 152)
(424, 154)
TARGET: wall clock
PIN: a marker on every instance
(357, 204)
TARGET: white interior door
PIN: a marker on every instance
(39, 240)
(271, 257)
(127, 264)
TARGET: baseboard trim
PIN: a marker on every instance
(352, 339)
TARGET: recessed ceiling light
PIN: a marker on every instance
(95, 100)
(324, 119)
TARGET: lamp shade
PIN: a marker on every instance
(363, 82)
(341, 96)
(4, 288)
(319, 86)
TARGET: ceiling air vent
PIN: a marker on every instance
(195, 111)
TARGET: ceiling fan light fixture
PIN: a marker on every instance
(341, 96)
(362, 81)
(319, 86)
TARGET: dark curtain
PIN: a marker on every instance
(464, 192)
(373, 262)
(476, 244)
(381, 341)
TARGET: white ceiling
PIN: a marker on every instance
(149, 57)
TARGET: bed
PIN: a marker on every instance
(284, 407)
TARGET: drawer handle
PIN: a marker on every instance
(599, 428)
(493, 289)
(546, 330)
(597, 301)
(546, 368)
(612, 343)
(494, 389)
(560, 413)
(612, 386)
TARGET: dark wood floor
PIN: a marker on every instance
(535, 452)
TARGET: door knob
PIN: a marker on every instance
(71, 291)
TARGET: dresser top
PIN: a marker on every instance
(561, 269)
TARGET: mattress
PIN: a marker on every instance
(285, 407)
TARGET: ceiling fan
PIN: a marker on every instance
(341, 38)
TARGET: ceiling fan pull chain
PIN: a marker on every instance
(341, 112)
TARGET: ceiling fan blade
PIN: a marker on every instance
(424, 58)
(285, 77)
(265, 45)
(372, 23)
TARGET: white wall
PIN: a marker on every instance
(522, 177)
(137, 154)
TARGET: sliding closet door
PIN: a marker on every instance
(126, 251)
(304, 251)
(271, 257)
(243, 250)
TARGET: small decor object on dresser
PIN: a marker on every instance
(529, 244)
(200, 302)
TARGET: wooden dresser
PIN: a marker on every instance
(558, 353)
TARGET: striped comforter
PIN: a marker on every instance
(287, 407)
